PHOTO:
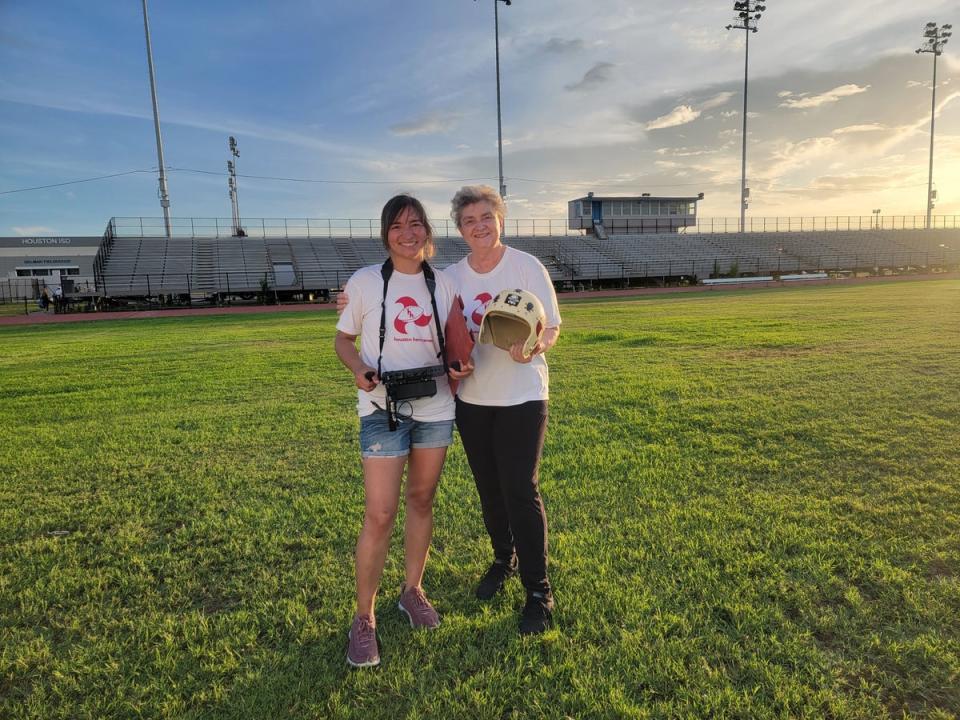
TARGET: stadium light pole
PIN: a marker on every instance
(496, 40)
(164, 197)
(747, 14)
(232, 183)
(934, 38)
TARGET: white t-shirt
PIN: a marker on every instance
(497, 379)
(411, 334)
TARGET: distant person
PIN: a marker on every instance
(502, 406)
(58, 300)
(398, 311)
(45, 299)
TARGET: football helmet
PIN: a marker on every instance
(513, 316)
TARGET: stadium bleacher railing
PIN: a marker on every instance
(574, 271)
(525, 227)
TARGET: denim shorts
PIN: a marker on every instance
(377, 440)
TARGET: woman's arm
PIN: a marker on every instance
(547, 341)
(364, 376)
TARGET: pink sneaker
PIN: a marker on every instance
(363, 650)
(418, 609)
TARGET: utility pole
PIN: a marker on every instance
(747, 14)
(934, 40)
(496, 40)
(164, 196)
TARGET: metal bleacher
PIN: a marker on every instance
(134, 266)
(705, 255)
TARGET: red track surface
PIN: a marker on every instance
(38, 317)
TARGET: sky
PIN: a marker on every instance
(336, 106)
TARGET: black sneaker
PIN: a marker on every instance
(537, 614)
(492, 581)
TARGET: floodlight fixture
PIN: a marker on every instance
(748, 15)
(232, 184)
(935, 37)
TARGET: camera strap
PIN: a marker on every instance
(386, 271)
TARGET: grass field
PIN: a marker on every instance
(753, 500)
(16, 308)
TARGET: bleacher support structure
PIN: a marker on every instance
(210, 268)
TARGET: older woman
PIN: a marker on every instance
(398, 311)
(501, 409)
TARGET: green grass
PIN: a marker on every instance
(753, 502)
(16, 308)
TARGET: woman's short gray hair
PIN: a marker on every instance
(470, 194)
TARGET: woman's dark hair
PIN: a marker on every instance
(391, 211)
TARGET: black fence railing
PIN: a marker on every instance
(566, 269)
(19, 289)
(232, 283)
(824, 223)
(546, 227)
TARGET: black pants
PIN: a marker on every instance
(503, 446)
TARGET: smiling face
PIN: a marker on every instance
(480, 226)
(407, 236)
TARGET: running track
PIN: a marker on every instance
(38, 317)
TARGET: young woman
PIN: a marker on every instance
(397, 311)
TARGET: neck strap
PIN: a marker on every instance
(386, 271)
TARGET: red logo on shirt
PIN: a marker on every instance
(480, 303)
(410, 313)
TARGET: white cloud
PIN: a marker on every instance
(704, 39)
(792, 156)
(684, 152)
(668, 164)
(920, 125)
(831, 96)
(868, 127)
(716, 101)
(680, 115)
(431, 124)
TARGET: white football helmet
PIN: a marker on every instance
(512, 316)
